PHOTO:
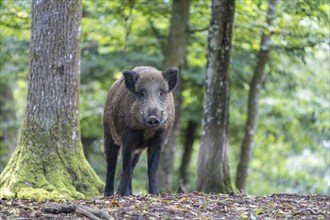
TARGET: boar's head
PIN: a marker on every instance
(153, 99)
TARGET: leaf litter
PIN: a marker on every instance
(195, 205)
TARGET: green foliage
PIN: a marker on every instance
(14, 45)
(301, 116)
(292, 140)
(294, 115)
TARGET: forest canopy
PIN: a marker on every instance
(292, 141)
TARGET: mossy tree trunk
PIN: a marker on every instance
(258, 79)
(174, 55)
(49, 161)
(213, 168)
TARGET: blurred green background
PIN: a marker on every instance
(292, 143)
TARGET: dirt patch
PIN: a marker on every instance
(194, 205)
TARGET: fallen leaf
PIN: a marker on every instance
(183, 199)
(259, 211)
(115, 203)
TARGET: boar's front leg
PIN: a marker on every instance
(126, 173)
(153, 162)
(154, 152)
(130, 140)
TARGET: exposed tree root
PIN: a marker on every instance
(91, 213)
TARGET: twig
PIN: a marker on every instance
(284, 194)
(192, 31)
(310, 211)
(182, 187)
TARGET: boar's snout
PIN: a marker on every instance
(152, 122)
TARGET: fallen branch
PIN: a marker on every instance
(57, 209)
(91, 213)
(83, 211)
(95, 212)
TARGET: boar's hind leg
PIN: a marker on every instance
(111, 153)
(154, 151)
(134, 162)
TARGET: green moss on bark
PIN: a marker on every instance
(46, 166)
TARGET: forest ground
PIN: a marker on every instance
(194, 205)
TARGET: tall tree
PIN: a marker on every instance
(49, 161)
(174, 55)
(189, 138)
(258, 79)
(8, 122)
(213, 168)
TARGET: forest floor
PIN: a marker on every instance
(194, 205)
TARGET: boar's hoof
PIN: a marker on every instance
(107, 194)
(123, 194)
(153, 122)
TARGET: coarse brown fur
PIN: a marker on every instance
(138, 114)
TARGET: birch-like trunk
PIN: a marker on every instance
(175, 52)
(258, 79)
(213, 168)
(49, 161)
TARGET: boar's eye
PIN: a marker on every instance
(162, 95)
(142, 95)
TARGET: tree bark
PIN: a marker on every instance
(258, 79)
(49, 161)
(174, 56)
(190, 136)
(213, 169)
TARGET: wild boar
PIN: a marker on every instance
(138, 114)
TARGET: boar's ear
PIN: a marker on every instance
(130, 79)
(172, 76)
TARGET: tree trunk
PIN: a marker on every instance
(190, 136)
(87, 143)
(213, 169)
(258, 78)
(174, 56)
(49, 161)
(8, 135)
